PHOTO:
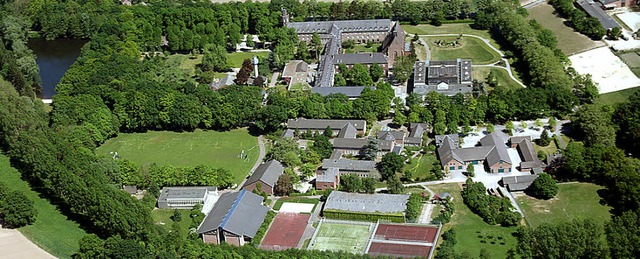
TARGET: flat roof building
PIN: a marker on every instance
(184, 197)
(381, 206)
(448, 77)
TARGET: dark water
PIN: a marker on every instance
(54, 57)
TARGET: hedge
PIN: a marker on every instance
(357, 216)
(263, 228)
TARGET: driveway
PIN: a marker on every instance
(14, 245)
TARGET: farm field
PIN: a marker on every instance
(52, 231)
(616, 97)
(350, 238)
(470, 48)
(569, 41)
(574, 201)
(212, 148)
(481, 73)
(473, 234)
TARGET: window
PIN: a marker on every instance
(459, 167)
(452, 168)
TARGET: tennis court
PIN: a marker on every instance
(349, 237)
(285, 231)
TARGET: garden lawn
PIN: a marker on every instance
(481, 73)
(574, 201)
(212, 148)
(187, 64)
(569, 41)
(550, 149)
(453, 28)
(162, 218)
(363, 48)
(616, 97)
(52, 231)
(471, 48)
(472, 233)
(235, 59)
(420, 167)
(280, 201)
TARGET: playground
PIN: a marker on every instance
(234, 150)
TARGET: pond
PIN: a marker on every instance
(54, 57)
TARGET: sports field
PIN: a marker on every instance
(467, 48)
(212, 148)
(52, 231)
(285, 231)
(574, 201)
(350, 238)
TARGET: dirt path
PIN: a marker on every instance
(14, 245)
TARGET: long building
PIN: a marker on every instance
(184, 197)
(332, 33)
(446, 77)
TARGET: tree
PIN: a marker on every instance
(509, 127)
(524, 125)
(490, 128)
(316, 44)
(286, 151)
(623, 235)
(177, 216)
(245, 72)
(91, 246)
(399, 118)
(328, 132)
(376, 72)
(615, 33)
(470, 170)
(485, 254)
(270, 118)
(369, 185)
(214, 58)
(544, 139)
(402, 68)
(284, 185)
(394, 185)
(538, 123)
(371, 149)
(17, 209)
(359, 76)
(594, 122)
(351, 183)
(322, 146)
(544, 187)
(390, 164)
(552, 124)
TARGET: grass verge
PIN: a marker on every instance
(52, 231)
(212, 148)
(574, 201)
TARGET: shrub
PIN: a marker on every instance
(544, 187)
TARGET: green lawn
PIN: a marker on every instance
(187, 63)
(569, 41)
(550, 149)
(616, 97)
(52, 231)
(472, 233)
(470, 48)
(363, 48)
(213, 148)
(162, 218)
(481, 73)
(453, 28)
(235, 59)
(342, 237)
(280, 201)
(574, 201)
(420, 167)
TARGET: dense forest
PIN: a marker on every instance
(112, 88)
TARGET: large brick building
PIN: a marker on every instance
(492, 153)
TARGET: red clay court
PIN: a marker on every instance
(399, 240)
(399, 250)
(285, 231)
(406, 232)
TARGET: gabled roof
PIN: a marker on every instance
(368, 203)
(527, 151)
(446, 154)
(473, 153)
(499, 153)
(417, 129)
(391, 135)
(293, 67)
(348, 131)
(518, 139)
(360, 58)
(328, 176)
(349, 91)
(316, 124)
(240, 213)
(344, 164)
(267, 173)
(518, 183)
(453, 137)
(349, 143)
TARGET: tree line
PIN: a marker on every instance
(589, 26)
(491, 209)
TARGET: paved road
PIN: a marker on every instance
(486, 41)
(308, 232)
(529, 5)
(15, 245)
(259, 161)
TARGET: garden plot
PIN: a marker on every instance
(606, 69)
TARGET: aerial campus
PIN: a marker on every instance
(320, 129)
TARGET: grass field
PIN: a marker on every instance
(342, 237)
(420, 167)
(454, 28)
(212, 148)
(470, 48)
(616, 97)
(187, 64)
(363, 48)
(280, 201)
(52, 231)
(574, 201)
(235, 59)
(550, 149)
(481, 73)
(473, 234)
(162, 218)
(569, 41)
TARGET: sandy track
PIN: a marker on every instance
(14, 245)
